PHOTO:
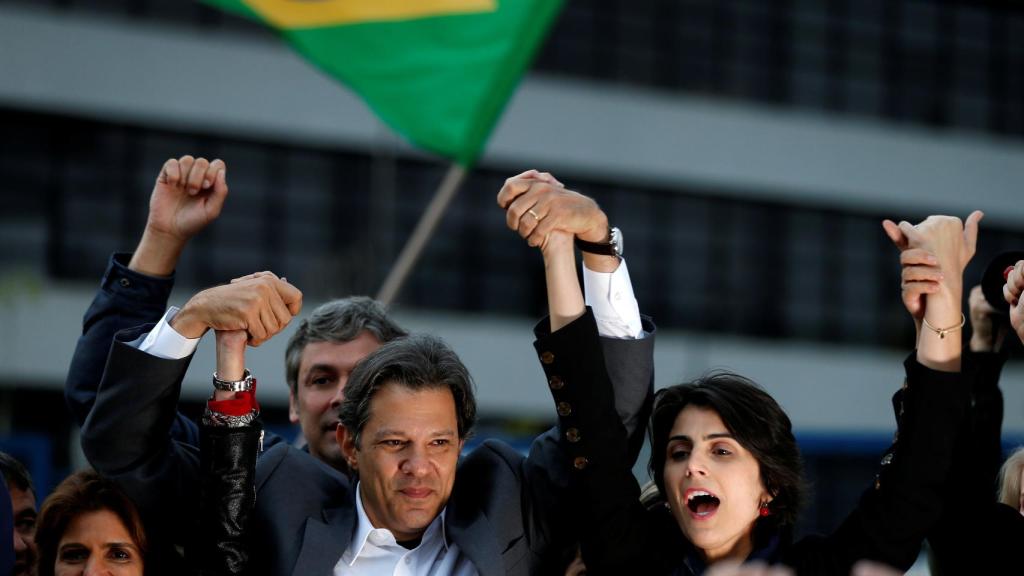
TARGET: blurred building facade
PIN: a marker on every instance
(748, 150)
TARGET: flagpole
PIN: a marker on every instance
(421, 235)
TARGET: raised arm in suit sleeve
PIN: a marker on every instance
(125, 299)
(894, 516)
(550, 217)
(897, 511)
(606, 514)
(188, 194)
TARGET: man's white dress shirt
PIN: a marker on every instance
(374, 551)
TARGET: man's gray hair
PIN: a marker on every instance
(338, 321)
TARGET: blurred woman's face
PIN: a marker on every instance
(713, 485)
(1020, 499)
(97, 543)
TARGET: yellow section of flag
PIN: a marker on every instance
(315, 13)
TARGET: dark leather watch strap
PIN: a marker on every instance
(603, 248)
(613, 247)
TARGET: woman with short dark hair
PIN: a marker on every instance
(768, 438)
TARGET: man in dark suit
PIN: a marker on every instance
(505, 512)
(407, 412)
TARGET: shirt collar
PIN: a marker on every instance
(364, 527)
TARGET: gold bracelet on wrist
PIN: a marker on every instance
(943, 331)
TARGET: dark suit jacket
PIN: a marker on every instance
(508, 513)
(504, 512)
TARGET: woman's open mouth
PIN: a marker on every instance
(701, 503)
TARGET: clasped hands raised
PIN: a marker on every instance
(261, 304)
(547, 214)
(933, 255)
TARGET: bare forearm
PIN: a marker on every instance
(565, 298)
(157, 254)
(230, 361)
(988, 342)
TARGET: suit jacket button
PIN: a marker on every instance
(564, 409)
(125, 282)
(555, 383)
(580, 463)
(572, 435)
(547, 357)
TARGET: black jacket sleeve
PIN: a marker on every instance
(895, 514)
(227, 497)
(598, 452)
(125, 299)
(969, 497)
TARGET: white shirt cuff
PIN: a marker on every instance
(610, 295)
(165, 342)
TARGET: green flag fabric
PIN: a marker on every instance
(438, 72)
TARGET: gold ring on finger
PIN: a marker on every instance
(534, 214)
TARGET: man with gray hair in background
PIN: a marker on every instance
(319, 358)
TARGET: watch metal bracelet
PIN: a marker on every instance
(243, 385)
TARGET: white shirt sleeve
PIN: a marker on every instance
(610, 295)
(165, 342)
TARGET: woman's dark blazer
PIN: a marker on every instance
(620, 536)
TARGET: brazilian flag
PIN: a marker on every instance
(438, 72)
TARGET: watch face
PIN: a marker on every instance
(616, 241)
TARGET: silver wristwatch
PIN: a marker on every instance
(243, 385)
